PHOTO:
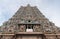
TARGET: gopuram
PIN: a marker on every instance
(29, 23)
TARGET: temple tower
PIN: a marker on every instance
(29, 23)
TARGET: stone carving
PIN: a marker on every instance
(29, 16)
(51, 37)
(22, 28)
(37, 28)
(7, 37)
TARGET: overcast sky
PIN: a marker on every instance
(50, 8)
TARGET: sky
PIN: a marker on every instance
(49, 8)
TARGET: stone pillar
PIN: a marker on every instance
(50, 36)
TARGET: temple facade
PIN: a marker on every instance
(29, 23)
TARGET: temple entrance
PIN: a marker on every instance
(29, 37)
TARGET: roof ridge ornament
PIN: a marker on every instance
(28, 5)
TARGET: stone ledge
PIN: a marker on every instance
(29, 33)
(7, 34)
(51, 34)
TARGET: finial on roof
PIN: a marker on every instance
(28, 5)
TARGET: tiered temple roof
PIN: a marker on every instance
(28, 15)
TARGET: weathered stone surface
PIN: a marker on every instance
(29, 17)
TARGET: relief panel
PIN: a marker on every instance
(29, 37)
(51, 37)
(37, 28)
(22, 28)
(7, 37)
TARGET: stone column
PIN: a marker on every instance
(50, 36)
